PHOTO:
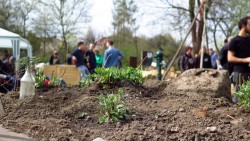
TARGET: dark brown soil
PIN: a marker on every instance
(156, 116)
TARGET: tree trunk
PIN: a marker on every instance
(192, 16)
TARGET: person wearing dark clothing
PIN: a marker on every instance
(239, 54)
(206, 60)
(6, 56)
(7, 70)
(54, 59)
(223, 57)
(225, 65)
(91, 59)
(77, 56)
(186, 61)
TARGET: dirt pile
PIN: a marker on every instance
(158, 114)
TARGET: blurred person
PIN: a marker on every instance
(186, 60)
(6, 56)
(206, 59)
(239, 55)
(91, 59)
(223, 61)
(54, 59)
(112, 56)
(98, 58)
(77, 56)
(213, 57)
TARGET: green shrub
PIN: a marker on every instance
(244, 95)
(109, 77)
(112, 107)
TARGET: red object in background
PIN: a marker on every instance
(46, 82)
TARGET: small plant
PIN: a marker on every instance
(244, 95)
(85, 82)
(54, 82)
(40, 78)
(113, 108)
(27, 62)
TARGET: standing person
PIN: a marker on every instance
(213, 57)
(239, 54)
(77, 56)
(224, 65)
(206, 60)
(91, 60)
(54, 59)
(186, 61)
(112, 56)
(98, 58)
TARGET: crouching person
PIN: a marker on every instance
(7, 83)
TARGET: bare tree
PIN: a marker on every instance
(6, 12)
(68, 15)
(23, 11)
(90, 36)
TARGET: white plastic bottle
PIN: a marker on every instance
(27, 87)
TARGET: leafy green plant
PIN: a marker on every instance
(39, 78)
(41, 81)
(27, 62)
(244, 95)
(109, 77)
(85, 82)
(54, 82)
(112, 107)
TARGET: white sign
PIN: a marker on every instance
(149, 54)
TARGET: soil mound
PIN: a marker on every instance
(157, 115)
(202, 82)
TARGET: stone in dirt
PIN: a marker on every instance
(211, 129)
(99, 139)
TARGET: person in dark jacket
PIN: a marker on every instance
(54, 59)
(186, 61)
(206, 60)
(91, 60)
(224, 64)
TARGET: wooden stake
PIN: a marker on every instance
(2, 112)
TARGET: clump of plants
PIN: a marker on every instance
(27, 62)
(110, 77)
(39, 78)
(86, 82)
(112, 108)
(244, 95)
(42, 81)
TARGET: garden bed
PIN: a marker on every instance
(156, 114)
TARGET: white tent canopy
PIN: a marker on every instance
(14, 41)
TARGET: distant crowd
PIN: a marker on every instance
(234, 57)
(210, 59)
(88, 58)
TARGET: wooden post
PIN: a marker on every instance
(2, 112)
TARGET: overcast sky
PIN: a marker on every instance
(101, 22)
